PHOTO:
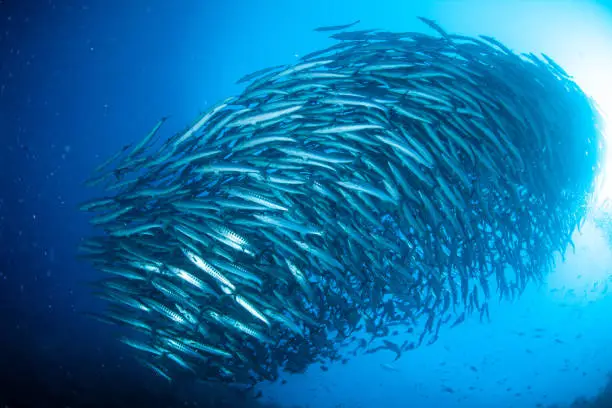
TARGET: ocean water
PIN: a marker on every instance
(80, 79)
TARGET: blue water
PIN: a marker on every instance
(78, 80)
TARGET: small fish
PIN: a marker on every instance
(337, 27)
(389, 367)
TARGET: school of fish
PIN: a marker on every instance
(392, 183)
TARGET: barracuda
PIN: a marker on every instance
(208, 348)
(231, 243)
(105, 219)
(266, 140)
(257, 199)
(377, 185)
(137, 229)
(193, 158)
(289, 225)
(141, 346)
(238, 271)
(200, 123)
(367, 189)
(306, 155)
(253, 120)
(191, 279)
(209, 269)
(251, 309)
(347, 129)
(226, 168)
(300, 278)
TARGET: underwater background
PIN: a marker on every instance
(79, 79)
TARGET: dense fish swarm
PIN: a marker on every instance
(392, 181)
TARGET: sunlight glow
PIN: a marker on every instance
(589, 65)
(599, 87)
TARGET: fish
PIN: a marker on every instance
(337, 27)
(390, 183)
(389, 367)
(147, 139)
